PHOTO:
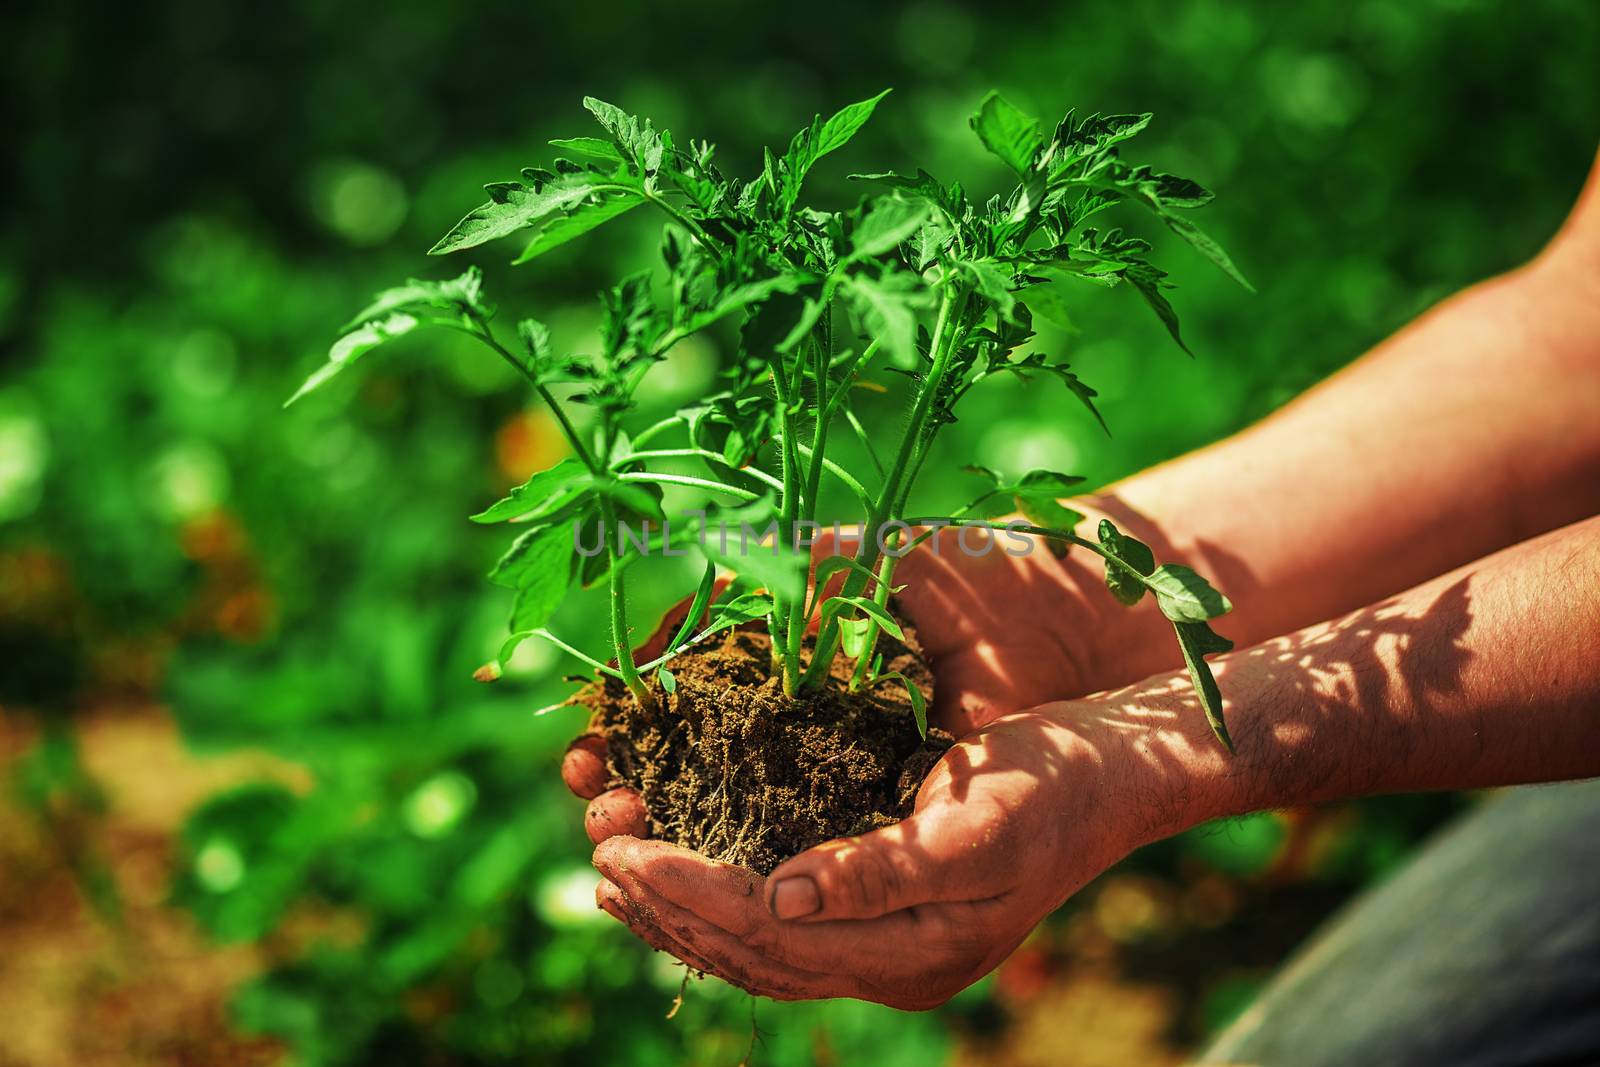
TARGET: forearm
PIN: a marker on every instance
(1489, 675)
(1475, 427)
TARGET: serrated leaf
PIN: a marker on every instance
(1185, 596)
(1008, 132)
(891, 221)
(462, 294)
(1206, 246)
(538, 566)
(991, 282)
(577, 222)
(1148, 286)
(543, 494)
(355, 344)
(515, 206)
(887, 307)
(590, 146)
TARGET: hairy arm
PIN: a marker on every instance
(1475, 427)
(1486, 676)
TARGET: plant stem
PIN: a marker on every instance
(620, 641)
(785, 642)
(942, 349)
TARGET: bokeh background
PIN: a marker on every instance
(252, 808)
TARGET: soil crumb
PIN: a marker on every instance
(732, 768)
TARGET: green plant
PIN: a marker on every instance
(939, 286)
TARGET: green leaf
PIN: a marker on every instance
(516, 206)
(891, 221)
(577, 222)
(817, 140)
(634, 137)
(779, 567)
(1197, 640)
(1148, 283)
(1206, 246)
(991, 282)
(886, 308)
(842, 126)
(697, 608)
(1051, 484)
(541, 495)
(747, 607)
(919, 703)
(668, 680)
(1131, 551)
(355, 344)
(538, 566)
(835, 605)
(1008, 132)
(590, 146)
(1184, 596)
(462, 294)
(1042, 511)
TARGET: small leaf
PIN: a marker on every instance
(546, 492)
(919, 703)
(740, 610)
(697, 608)
(887, 308)
(1184, 596)
(890, 222)
(515, 206)
(668, 680)
(779, 568)
(1131, 551)
(577, 222)
(1206, 246)
(1197, 640)
(1008, 132)
(538, 566)
(355, 344)
(837, 131)
(837, 604)
(590, 146)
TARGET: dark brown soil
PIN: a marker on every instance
(732, 768)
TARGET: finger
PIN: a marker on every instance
(619, 811)
(614, 903)
(908, 961)
(721, 904)
(730, 957)
(942, 854)
(583, 767)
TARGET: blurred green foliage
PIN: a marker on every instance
(198, 193)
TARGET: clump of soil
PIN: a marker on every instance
(731, 767)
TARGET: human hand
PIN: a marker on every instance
(1002, 631)
(1015, 818)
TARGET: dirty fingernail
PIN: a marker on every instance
(794, 898)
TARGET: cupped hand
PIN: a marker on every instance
(1005, 624)
(1016, 817)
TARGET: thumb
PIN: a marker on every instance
(941, 853)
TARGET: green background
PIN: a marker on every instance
(198, 194)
